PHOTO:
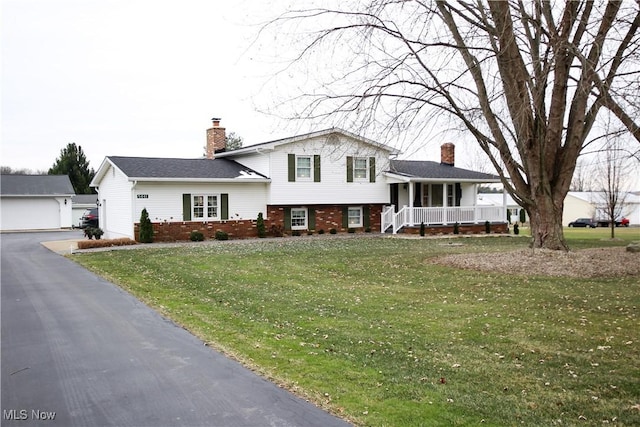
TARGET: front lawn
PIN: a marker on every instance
(370, 329)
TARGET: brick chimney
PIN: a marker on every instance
(448, 154)
(216, 139)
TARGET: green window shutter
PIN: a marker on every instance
(224, 206)
(366, 216)
(287, 218)
(316, 168)
(349, 169)
(186, 207)
(345, 217)
(372, 169)
(311, 221)
(292, 167)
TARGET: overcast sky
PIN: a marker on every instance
(130, 77)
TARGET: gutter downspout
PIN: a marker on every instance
(133, 202)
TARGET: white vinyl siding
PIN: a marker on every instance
(116, 215)
(165, 200)
(332, 188)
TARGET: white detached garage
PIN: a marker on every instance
(35, 202)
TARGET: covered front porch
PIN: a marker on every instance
(417, 201)
(411, 216)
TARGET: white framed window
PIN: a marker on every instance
(354, 215)
(360, 168)
(451, 195)
(304, 166)
(299, 218)
(204, 206)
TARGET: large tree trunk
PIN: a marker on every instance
(546, 223)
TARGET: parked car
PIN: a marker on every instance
(620, 222)
(583, 222)
(89, 218)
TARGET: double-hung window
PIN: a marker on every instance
(204, 206)
(360, 168)
(298, 219)
(304, 165)
(354, 215)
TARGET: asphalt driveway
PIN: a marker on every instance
(79, 351)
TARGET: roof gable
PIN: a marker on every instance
(424, 169)
(36, 185)
(327, 133)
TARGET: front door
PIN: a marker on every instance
(393, 189)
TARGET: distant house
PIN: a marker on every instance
(35, 202)
(330, 179)
(591, 204)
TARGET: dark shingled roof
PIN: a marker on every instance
(35, 185)
(146, 167)
(434, 170)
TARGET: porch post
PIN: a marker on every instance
(504, 205)
(475, 203)
(445, 205)
(411, 191)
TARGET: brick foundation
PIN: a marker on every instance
(327, 217)
(496, 228)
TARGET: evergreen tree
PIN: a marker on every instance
(146, 228)
(73, 163)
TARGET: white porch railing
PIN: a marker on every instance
(411, 216)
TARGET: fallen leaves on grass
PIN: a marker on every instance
(586, 263)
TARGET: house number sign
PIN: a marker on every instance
(142, 196)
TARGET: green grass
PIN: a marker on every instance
(371, 330)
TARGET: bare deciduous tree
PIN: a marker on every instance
(610, 181)
(527, 79)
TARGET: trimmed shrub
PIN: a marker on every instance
(516, 229)
(333, 231)
(309, 233)
(487, 227)
(90, 244)
(321, 231)
(456, 228)
(146, 229)
(422, 229)
(196, 236)
(351, 230)
(367, 230)
(221, 235)
(91, 232)
(262, 230)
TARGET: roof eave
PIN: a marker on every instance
(271, 145)
(182, 180)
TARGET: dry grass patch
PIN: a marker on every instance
(585, 263)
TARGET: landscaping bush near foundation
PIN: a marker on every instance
(196, 236)
(221, 235)
(90, 244)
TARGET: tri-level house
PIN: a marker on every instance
(330, 179)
